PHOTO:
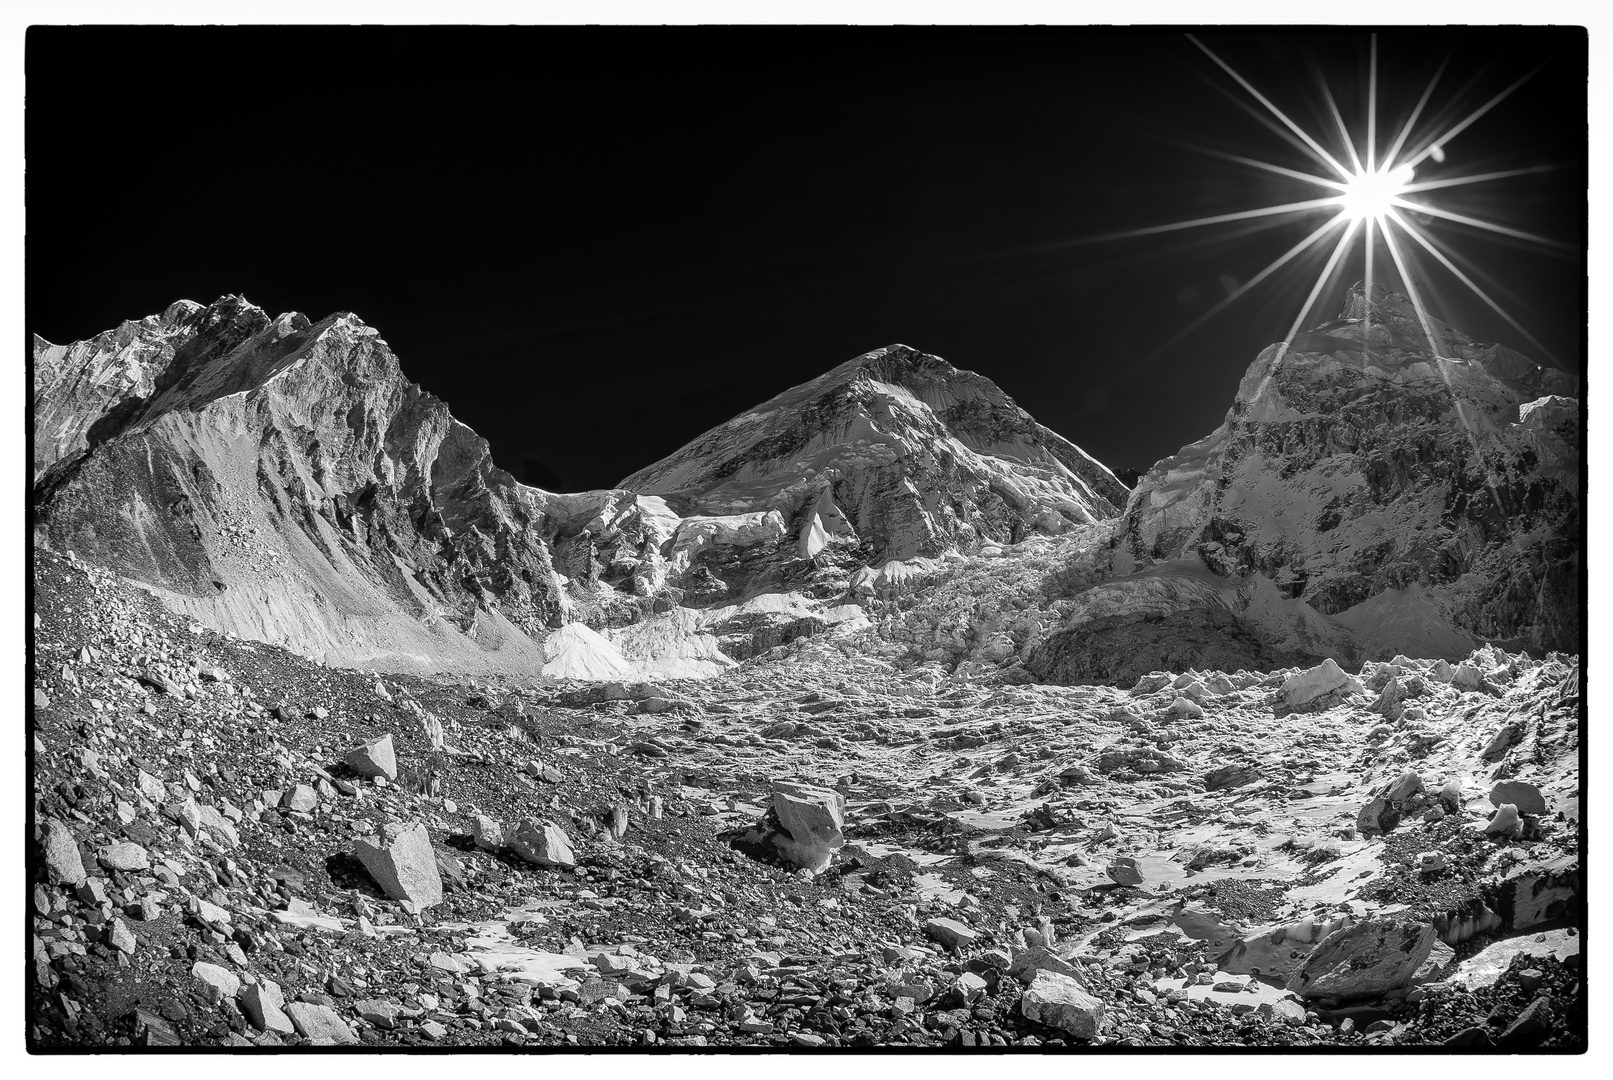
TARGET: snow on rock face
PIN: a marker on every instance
(117, 371)
(824, 525)
(1358, 464)
(910, 454)
(671, 646)
(576, 652)
(697, 534)
(281, 479)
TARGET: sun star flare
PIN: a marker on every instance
(1372, 195)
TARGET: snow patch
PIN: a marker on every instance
(576, 652)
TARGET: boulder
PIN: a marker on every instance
(1403, 788)
(374, 758)
(124, 856)
(1028, 962)
(950, 933)
(218, 984)
(1526, 797)
(1123, 870)
(264, 1005)
(320, 1024)
(151, 787)
(1061, 1002)
(543, 843)
(404, 865)
(301, 798)
(813, 818)
(64, 864)
(120, 937)
(1533, 1024)
(1505, 821)
(487, 834)
(217, 826)
(1377, 816)
(1367, 959)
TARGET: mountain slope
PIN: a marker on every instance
(282, 479)
(1365, 496)
(895, 451)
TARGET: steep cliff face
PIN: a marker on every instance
(282, 479)
(893, 455)
(85, 391)
(1368, 495)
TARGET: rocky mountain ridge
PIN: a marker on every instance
(1368, 494)
(282, 479)
(897, 451)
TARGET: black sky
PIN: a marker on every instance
(596, 243)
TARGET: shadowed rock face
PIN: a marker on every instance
(1414, 501)
(282, 479)
(918, 457)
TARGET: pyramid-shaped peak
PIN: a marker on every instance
(895, 363)
(899, 432)
(1384, 304)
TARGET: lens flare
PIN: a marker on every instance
(1371, 195)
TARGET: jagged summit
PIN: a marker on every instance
(190, 355)
(1388, 333)
(280, 477)
(1364, 496)
(918, 455)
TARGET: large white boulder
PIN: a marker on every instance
(813, 817)
(487, 833)
(321, 1025)
(404, 865)
(217, 983)
(374, 758)
(543, 843)
(1061, 1002)
(64, 864)
(264, 1004)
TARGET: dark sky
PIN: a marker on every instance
(597, 243)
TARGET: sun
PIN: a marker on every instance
(1372, 195)
(1370, 202)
